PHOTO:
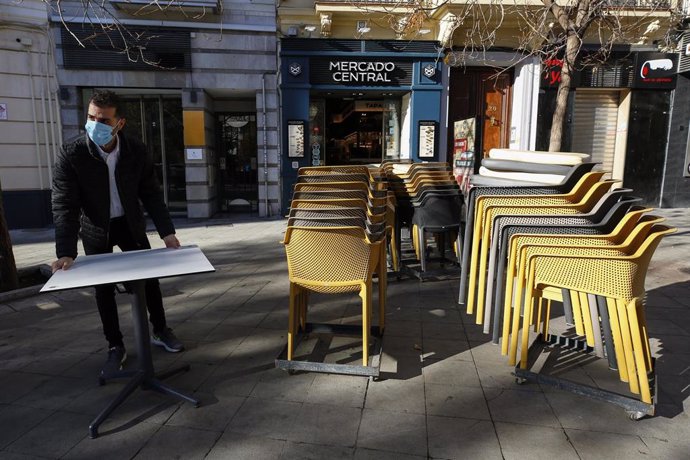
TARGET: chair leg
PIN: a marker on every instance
(481, 279)
(421, 243)
(365, 294)
(394, 251)
(607, 332)
(458, 246)
(537, 322)
(596, 325)
(488, 303)
(473, 267)
(292, 313)
(642, 320)
(526, 320)
(383, 287)
(577, 314)
(547, 318)
(508, 303)
(466, 250)
(617, 340)
(304, 303)
(586, 318)
(518, 301)
(627, 346)
(639, 352)
(567, 307)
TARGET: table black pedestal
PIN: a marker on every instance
(145, 376)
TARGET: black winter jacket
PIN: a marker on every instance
(81, 195)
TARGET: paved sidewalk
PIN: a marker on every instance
(448, 393)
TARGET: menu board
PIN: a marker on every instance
(427, 139)
(463, 152)
(295, 138)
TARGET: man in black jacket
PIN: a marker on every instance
(100, 182)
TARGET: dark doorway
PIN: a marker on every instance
(353, 135)
(237, 162)
(157, 121)
(647, 139)
(483, 94)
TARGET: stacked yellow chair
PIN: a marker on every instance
(350, 178)
(336, 242)
(591, 270)
(617, 274)
(581, 198)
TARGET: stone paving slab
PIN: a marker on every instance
(446, 391)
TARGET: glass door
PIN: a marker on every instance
(391, 129)
(157, 122)
(237, 162)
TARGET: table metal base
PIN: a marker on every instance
(372, 370)
(635, 408)
(145, 376)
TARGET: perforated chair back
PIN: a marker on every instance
(568, 183)
(352, 185)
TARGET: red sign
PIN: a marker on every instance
(552, 72)
(460, 145)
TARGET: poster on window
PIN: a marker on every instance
(427, 139)
(295, 138)
(463, 152)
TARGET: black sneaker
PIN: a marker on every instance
(116, 358)
(167, 340)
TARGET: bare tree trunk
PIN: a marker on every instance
(8, 268)
(558, 122)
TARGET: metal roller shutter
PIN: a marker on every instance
(595, 120)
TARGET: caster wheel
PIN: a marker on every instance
(635, 415)
(101, 381)
(291, 371)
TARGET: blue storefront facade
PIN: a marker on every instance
(359, 102)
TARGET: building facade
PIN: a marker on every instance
(359, 102)
(30, 122)
(233, 97)
(619, 112)
(198, 84)
(676, 175)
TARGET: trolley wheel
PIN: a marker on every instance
(101, 381)
(520, 381)
(635, 415)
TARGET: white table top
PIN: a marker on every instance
(120, 267)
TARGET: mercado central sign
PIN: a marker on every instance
(364, 72)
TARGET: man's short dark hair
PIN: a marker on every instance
(105, 99)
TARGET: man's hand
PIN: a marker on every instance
(171, 241)
(62, 263)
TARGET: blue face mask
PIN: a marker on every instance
(100, 133)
